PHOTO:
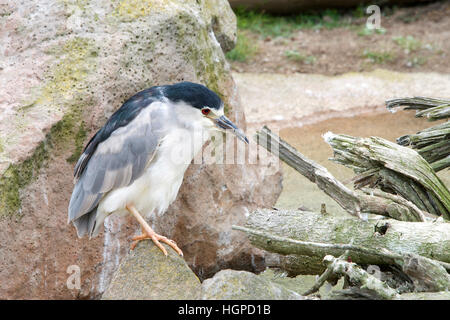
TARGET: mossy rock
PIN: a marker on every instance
(243, 285)
(146, 274)
(86, 73)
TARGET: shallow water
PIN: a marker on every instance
(300, 192)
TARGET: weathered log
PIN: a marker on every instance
(339, 267)
(431, 108)
(296, 264)
(377, 242)
(393, 168)
(403, 210)
(354, 293)
(417, 273)
(316, 173)
(427, 136)
(433, 144)
(353, 202)
(441, 164)
(427, 275)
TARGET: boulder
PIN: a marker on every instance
(147, 274)
(243, 285)
(300, 283)
(297, 6)
(65, 66)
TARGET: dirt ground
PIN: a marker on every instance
(414, 39)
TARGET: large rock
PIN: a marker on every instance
(65, 66)
(300, 283)
(296, 6)
(243, 285)
(147, 274)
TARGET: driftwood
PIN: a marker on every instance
(354, 203)
(375, 242)
(355, 276)
(356, 293)
(431, 108)
(433, 144)
(392, 181)
(346, 198)
(426, 275)
(392, 168)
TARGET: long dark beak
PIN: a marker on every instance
(226, 124)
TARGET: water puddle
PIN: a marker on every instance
(300, 192)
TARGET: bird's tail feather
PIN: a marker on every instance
(86, 224)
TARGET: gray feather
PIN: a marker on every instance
(85, 224)
(81, 201)
(117, 162)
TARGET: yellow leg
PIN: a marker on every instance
(148, 233)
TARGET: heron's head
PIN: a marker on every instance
(204, 107)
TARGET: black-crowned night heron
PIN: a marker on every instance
(136, 161)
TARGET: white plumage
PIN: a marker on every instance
(136, 162)
(158, 187)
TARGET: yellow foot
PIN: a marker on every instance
(156, 238)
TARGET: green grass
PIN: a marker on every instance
(409, 43)
(408, 18)
(416, 61)
(378, 57)
(268, 25)
(243, 50)
(283, 26)
(363, 32)
(359, 11)
(296, 56)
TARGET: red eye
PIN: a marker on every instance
(206, 111)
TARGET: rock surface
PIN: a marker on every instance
(300, 283)
(295, 6)
(146, 274)
(243, 285)
(65, 66)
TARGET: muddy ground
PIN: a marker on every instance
(413, 39)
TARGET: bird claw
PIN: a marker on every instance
(157, 239)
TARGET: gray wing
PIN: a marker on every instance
(116, 162)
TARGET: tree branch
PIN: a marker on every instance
(431, 108)
(393, 168)
(378, 242)
(338, 267)
(352, 202)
